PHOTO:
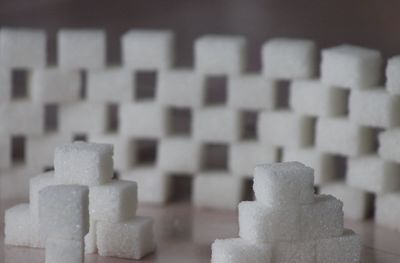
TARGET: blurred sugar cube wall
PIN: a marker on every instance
(197, 132)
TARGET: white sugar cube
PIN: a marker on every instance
(110, 85)
(311, 97)
(17, 226)
(5, 150)
(144, 119)
(179, 155)
(387, 212)
(299, 252)
(374, 107)
(220, 54)
(373, 174)
(90, 238)
(244, 156)
(284, 128)
(388, 145)
(283, 184)
(153, 185)
(217, 190)
(64, 212)
(22, 48)
(340, 136)
(251, 92)
(321, 219)
(55, 86)
(344, 249)
(322, 163)
(349, 66)
(259, 223)
(216, 124)
(392, 75)
(81, 48)
(29, 116)
(148, 49)
(60, 250)
(285, 58)
(84, 163)
(237, 250)
(180, 88)
(131, 239)
(356, 203)
(36, 184)
(113, 202)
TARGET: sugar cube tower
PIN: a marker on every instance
(79, 207)
(288, 223)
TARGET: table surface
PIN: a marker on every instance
(185, 234)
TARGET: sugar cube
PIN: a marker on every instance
(392, 75)
(36, 184)
(321, 219)
(22, 48)
(83, 163)
(17, 228)
(114, 202)
(29, 116)
(389, 141)
(299, 252)
(219, 54)
(237, 250)
(63, 211)
(349, 66)
(251, 92)
(345, 248)
(283, 184)
(284, 128)
(311, 97)
(285, 58)
(259, 223)
(148, 49)
(131, 239)
(59, 250)
(81, 48)
(387, 211)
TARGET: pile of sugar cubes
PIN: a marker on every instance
(80, 208)
(288, 223)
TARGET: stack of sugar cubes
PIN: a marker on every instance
(113, 227)
(288, 223)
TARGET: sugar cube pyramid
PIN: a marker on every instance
(288, 223)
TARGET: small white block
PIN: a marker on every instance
(251, 92)
(148, 49)
(144, 119)
(81, 49)
(237, 250)
(344, 249)
(340, 136)
(179, 155)
(90, 238)
(323, 164)
(217, 190)
(113, 202)
(17, 226)
(387, 212)
(392, 75)
(321, 219)
(220, 54)
(355, 202)
(216, 124)
(55, 86)
(349, 66)
(299, 252)
(389, 143)
(64, 211)
(180, 88)
(370, 173)
(284, 128)
(36, 184)
(244, 156)
(311, 97)
(259, 223)
(285, 58)
(131, 239)
(374, 107)
(110, 85)
(64, 251)
(29, 116)
(22, 48)
(83, 163)
(282, 184)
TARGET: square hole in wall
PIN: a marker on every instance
(248, 193)
(340, 164)
(50, 117)
(112, 118)
(80, 137)
(249, 125)
(19, 78)
(116, 175)
(215, 90)
(283, 94)
(181, 187)
(145, 85)
(145, 152)
(179, 121)
(83, 85)
(215, 157)
(18, 149)
(48, 169)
